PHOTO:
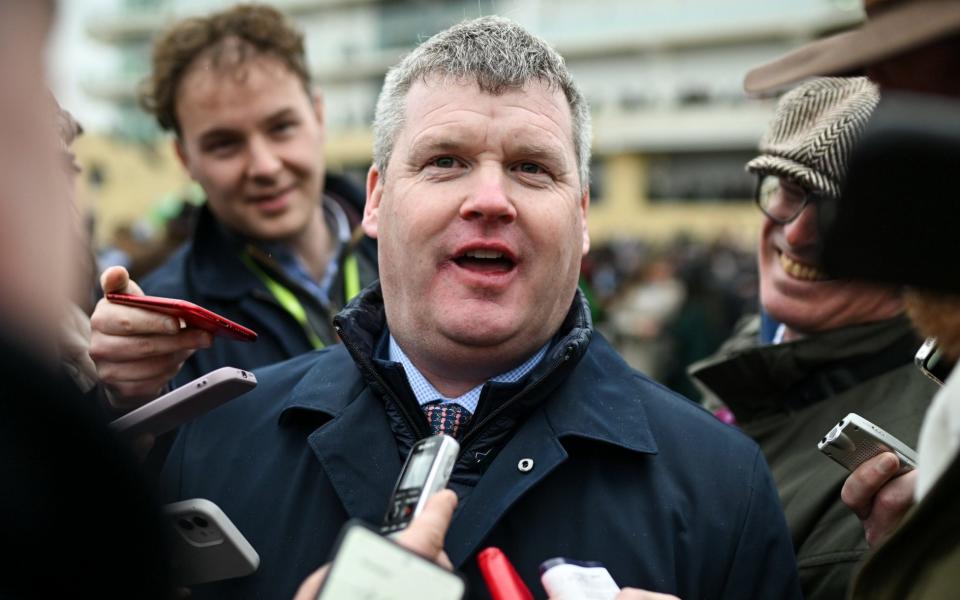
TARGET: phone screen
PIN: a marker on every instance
(368, 565)
(417, 470)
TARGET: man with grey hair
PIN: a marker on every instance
(478, 198)
(843, 346)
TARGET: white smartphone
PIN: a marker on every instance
(425, 473)
(185, 403)
(206, 545)
(855, 440)
(368, 565)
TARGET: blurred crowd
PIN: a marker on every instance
(652, 407)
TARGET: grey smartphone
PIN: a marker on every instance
(931, 362)
(369, 565)
(855, 440)
(206, 545)
(425, 472)
(185, 403)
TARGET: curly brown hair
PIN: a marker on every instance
(237, 34)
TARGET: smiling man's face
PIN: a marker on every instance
(797, 293)
(481, 224)
(252, 137)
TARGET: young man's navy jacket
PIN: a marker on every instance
(624, 471)
(210, 270)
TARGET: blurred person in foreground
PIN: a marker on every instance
(842, 347)
(478, 198)
(277, 247)
(904, 46)
(74, 515)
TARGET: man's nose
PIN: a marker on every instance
(262, 160)
(802, 231)
(488, 198)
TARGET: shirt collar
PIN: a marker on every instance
(424, 391)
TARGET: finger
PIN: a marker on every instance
(890, 504)
(866, 480)
(144, 369)
(311, 585)
(444, 561)
(117, 280)
(426, 533)
(117, 319)
(116, 348)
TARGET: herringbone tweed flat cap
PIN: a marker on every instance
(813, 131)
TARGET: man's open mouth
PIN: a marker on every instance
(485, 261)
(798, 270)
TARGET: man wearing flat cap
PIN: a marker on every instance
(841, 346)
(903, 46)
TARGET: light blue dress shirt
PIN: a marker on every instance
(425, 392)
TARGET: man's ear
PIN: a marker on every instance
(371, 210)
(584, 209)
(316, 99)
(181, 153)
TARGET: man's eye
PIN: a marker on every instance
(530, 168)
(444, 162)
(220, 146)
(283, 127)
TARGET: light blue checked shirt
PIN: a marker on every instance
(425, 392)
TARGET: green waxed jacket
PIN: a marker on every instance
(787, 396)
(921, 560)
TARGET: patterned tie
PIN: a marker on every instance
(446, 418)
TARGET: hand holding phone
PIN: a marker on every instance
(189, 314)
(369, 565)
(425, 473)
(425, 537)
(137, 352)
(854, 440)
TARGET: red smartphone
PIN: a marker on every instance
(190, 313)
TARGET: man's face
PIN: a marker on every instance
(481, 223)
(795, 292)
(253, 139)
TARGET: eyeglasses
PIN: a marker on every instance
(783, 200)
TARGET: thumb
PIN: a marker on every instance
(117, 280)
(426, 533)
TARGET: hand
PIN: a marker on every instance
(424, 536)
(877, 497)
(137, 351)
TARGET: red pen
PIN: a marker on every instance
(500, 576)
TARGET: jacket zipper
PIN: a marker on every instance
(421, 432)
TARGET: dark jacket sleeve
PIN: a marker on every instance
(764, 565)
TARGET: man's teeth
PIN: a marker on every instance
(488, 254)
(801, 271)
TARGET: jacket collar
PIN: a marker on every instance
(585, 414)
(753, 379)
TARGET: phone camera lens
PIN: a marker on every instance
(185, 525)
(200, 522)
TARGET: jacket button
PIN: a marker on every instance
(525, 465)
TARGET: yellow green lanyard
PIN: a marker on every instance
(289, 302)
